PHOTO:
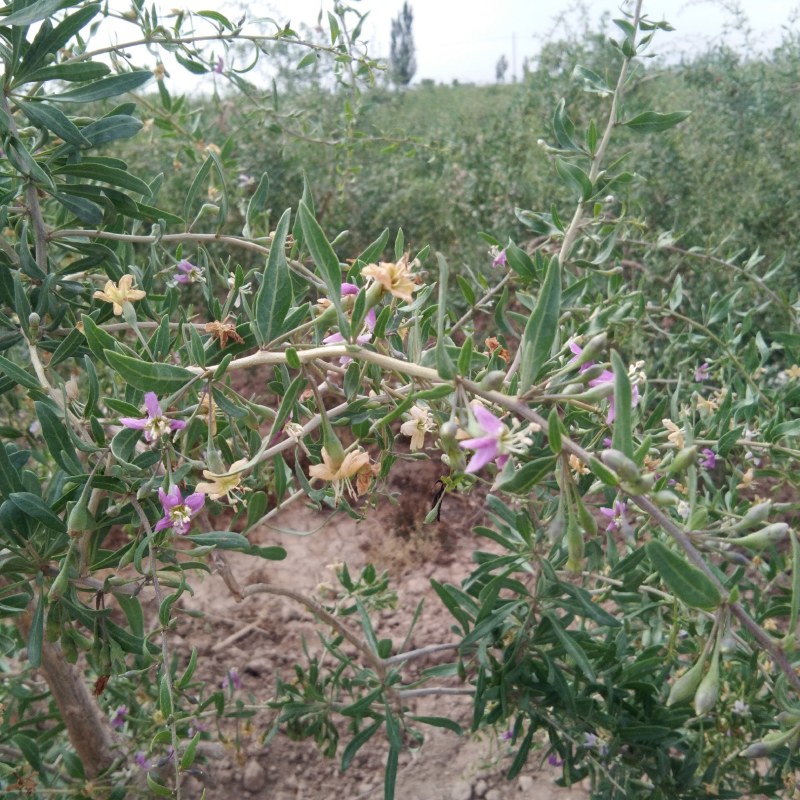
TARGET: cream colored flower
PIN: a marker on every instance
(793, 372)
(120, 293)
(339, 474)
(419, 424)
(675, 433)
(706, 404)
(747, 480)
(394, 277)
(222, 485)
(577, 466)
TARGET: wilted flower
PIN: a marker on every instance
(747, 479)
(709, 459)
(420, 423)
(221, 485)
(186, 272)
(497, 440)
(245, 288)
(369, 324)
(177, 511)
(223, 331)
(120, 293)
(118, 717)
(394, 277)
(155, 424)
(339, 474)
(702, 372)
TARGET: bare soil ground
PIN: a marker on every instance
(264, 635)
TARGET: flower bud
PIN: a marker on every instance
(61, 583)
(685, 687)
(755, 515)
(708, 691)
(594, 347)
(448, 430)
(33, 324)
(557, 526)
(665, 498)
(625, 467)
(685, 458)
(493, 379)
(762, 538)
(771, 742)
(575, 545)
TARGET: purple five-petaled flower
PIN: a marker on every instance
(702, 372)
(186, 272)
(709, 459)
(118, 717)
(369, 324)
(501, 259)
(178, 511)
(487, 447)
(605, 377)
(155, 424)
(232, 680)
(617, 517)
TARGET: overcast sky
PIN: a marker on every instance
(464, 39)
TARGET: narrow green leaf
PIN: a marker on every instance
(572, 648)
(58, 442)
(225, 540)
(274, 297)
(575, 178)
(390, 776)
(187, 759)
(554, 430)
(256, 205)
(92, 170)
(686, 581)
(358, 741)
(653, 122)
(30, 750)
(53, 119)
(33, 506)
(104, 88)
(110, 129)
(149, 377)
(18, 374)
(70, 73)
(98, 340)
(36, 635)
(440, 722)
(35, 12)
(540, 331)
(622, 437)
(322, 253)
(563, 127)
(86, 211)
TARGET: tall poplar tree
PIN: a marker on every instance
(402, 60)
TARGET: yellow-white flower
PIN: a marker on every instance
(221, 485)
(675, 433)
(394, 277)
(420, 423)
(120, 293)
(339, 474)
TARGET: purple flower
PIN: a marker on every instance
(220, 65)
(369, 324)
(186, 272)
(500, 260)
(177, 511)
(141, 760)
(232, 680)
(605, 377)
(155, 424)
(554, 761)
(488, 446)
(617, 517)
(118, 717)
(507, 736)
(702, 372)
(709, 459)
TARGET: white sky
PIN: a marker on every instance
(464, 39)
(461, 40)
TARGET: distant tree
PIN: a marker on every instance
(402, 60)
(500, 69)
